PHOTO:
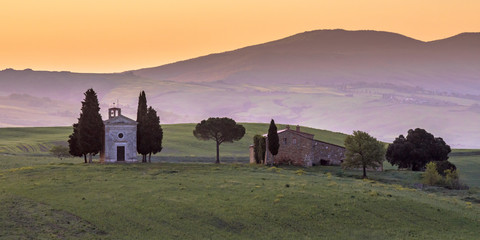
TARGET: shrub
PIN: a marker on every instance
(60, 151)
(451, 179)
(431, 176)
(442, 166)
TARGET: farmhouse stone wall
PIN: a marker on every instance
(301, 149)
(327, 154)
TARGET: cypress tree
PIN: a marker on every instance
(90, 126)
(154, 133)
(74, 147)
(273, 141)
(142, 147)
(263, 149)
(259, 148)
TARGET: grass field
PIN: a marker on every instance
(468, 165)
(34, 140)
(47, 198)
(181, 146)
(178, 140)
(228, 201)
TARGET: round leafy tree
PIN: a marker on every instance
(416, 150)
(363, 151)
(219, 129)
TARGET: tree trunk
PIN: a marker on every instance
(150, 157)
(364, 172)
(218, 153)
(90, 157)
(85, 157)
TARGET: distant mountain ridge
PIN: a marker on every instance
(332, 56)
(380, 82)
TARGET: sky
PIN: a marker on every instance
(121, 35)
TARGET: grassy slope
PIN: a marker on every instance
(181, 146)
(32, 140)
(178, 140)
(468, 167)
(234, 201)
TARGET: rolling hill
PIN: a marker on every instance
(179, 145)
(331, 57)
(380, 82)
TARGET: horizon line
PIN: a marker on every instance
(231, 50)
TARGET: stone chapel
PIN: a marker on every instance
(120, 139)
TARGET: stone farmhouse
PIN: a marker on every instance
(120, 139)
(301, 149)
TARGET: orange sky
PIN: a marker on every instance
(119, 35)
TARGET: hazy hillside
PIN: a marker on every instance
(379, 82)
(338, 57)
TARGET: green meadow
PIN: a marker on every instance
(178, 140)
(227, 201)
(47, 198)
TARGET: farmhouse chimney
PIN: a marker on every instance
(298, 128)
(287, 127)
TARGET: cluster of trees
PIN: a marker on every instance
(219, 129)
(417, 149)
(88, 132)
(149, 130)
(412, 152)
(260, 145)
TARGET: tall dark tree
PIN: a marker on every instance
(219, 129)
(74, 147)
(142, 131)
(259, 148)
(272, 137)
(398, 153)
(155, 133)
(90, 126)
(363, 151)
(416, 150)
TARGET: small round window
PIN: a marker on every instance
(120, 135)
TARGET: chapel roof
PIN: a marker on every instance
(120, 120)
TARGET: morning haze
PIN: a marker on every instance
(381, 82)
